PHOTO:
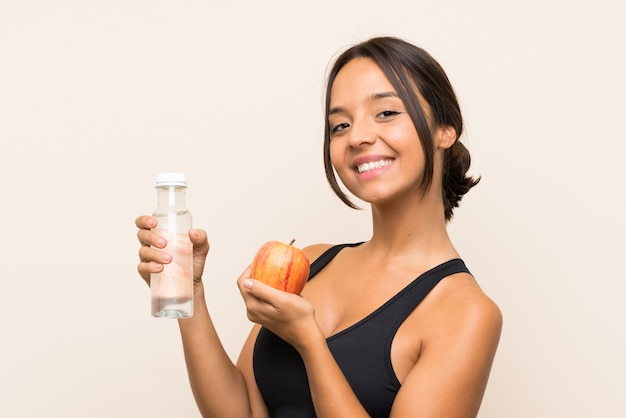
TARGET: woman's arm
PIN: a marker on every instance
(244, 363)
(331, 393)
(218, 385)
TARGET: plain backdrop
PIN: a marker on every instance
(97, 97)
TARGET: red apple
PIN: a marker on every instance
(282, 266)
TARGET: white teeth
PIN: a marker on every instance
(362, 168)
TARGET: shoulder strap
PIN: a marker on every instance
(326, 257)
(408, 298)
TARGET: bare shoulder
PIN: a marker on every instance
(461, 303)
(314, 251)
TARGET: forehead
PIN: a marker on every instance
(359, 78)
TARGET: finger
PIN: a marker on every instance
(148, 267)
(243, 276)
(262, 292)
(146, 222)
(199, 240)
(147, 254)
(257, 309)
(151, 238)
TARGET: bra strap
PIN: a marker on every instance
(326, 257)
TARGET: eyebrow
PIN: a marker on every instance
(373, 97)
(378, 96)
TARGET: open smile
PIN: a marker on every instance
(372, 165)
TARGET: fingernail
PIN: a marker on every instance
(160, 242)
(166, 257)
(247, 284)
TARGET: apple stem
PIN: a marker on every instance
(292, 241)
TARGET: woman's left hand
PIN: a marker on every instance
(287, 315)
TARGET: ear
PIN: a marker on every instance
(446, 137)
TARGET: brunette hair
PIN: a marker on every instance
(409, 67)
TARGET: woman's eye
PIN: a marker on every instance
(339, 127)
(388, 113)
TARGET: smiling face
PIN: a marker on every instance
(374, 145)
(390, 72)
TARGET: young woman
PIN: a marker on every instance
(395, 326)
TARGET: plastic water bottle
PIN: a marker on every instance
(172, 289)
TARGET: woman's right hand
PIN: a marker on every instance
(151, 254)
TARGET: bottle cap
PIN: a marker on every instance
(171, 179)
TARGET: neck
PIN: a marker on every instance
(415, 227)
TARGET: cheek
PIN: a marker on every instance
(407, 145)
(402, 137)
(336, 156)
(338, 161)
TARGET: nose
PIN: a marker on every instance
(361, 133)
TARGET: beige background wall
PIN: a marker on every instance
(96, 97)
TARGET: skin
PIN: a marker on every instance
(443, 352)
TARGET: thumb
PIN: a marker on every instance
(259, 290)
(199, 240)
(252, 286)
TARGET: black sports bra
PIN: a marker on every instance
(362, 351)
